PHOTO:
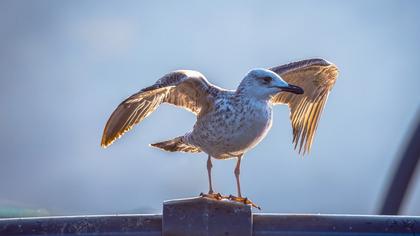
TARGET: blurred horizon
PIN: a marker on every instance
(65, 66)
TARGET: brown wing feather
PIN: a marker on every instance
(187, 89)
(316, 77)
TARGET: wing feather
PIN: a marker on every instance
(316, 77)
(184, 88)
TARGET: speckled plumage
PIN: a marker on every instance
(235, 124)
(229, 123)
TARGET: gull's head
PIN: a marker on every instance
(263, 84)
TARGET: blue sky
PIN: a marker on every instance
(65, 66)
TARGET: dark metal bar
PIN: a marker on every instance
(334, 225)
(140, 225)
(263, 225)
(403, 173)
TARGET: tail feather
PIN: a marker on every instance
(176, 145)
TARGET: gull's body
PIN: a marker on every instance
(229, 123)
(236, 124)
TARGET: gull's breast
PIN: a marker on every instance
(232, 128)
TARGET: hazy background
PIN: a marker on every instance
(65, 66)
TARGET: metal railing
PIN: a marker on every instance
(200, 216)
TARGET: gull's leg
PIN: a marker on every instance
(239, 198)
(211, 193)
(237, 172)
(209, 166)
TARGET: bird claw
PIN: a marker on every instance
(218, 196)
(215, 196)
(243, 200)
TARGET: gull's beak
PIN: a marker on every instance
(292, 89)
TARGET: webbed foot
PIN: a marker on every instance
(215, 196)
(243, 200)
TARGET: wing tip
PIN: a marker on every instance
(318, 61)
(105, 142)
(321, 62)
(333, 67)
(108, 140)
(303, 63)
(303, 150)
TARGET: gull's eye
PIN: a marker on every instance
(266, 80)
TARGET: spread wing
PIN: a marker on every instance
(184, 88)
(316, 77)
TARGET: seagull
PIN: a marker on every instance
(231, 122)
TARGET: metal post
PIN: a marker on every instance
(403, 173)
(206, 217)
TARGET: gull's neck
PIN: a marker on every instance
(244, 97)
